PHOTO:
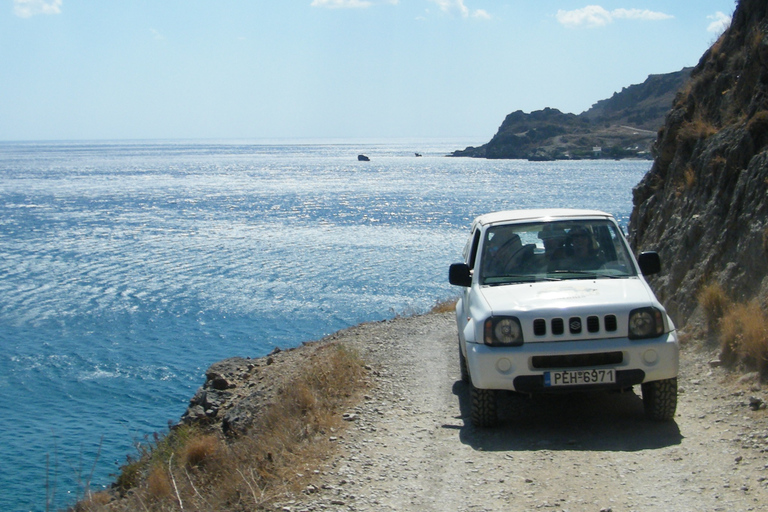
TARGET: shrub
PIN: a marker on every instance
(94, 502)
(687, 181)
(696, 129)
(714, 303)
(744, 335)
(198, 450)
(158, 483)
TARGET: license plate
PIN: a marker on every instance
(579, 377)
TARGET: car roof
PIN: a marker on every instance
(546, 214)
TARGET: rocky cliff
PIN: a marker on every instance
(623, 125)
(704, 205)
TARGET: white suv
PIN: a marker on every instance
(554, 301)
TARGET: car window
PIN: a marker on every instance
(554, 251)
(470, 251)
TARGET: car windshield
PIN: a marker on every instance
(583, 249)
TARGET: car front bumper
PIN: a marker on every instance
(523, 368)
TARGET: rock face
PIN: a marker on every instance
(237, 389)
(624, 125)
(704, 205)
(641, 105)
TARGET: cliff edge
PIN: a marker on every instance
(703, 205)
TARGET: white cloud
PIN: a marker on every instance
(596, 16)
(28, 8)
(640, 14)
(590, 16)
(350, 4)
(463, 10)
(720, 22)
(341, 4)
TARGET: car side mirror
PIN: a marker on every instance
(460, 275)
(649, 262)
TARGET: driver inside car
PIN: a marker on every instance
(505, 254)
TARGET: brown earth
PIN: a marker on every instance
(409, 445)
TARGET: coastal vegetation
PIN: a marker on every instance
(740, 329)
(197, 467)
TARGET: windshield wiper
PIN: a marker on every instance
(519, 278)
(510, 279)
(578, 274)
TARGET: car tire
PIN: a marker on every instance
(463, 365)
(482, 407)
(660, 399)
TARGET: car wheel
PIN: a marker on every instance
(463, 365)
(660, 399)
(482, 406)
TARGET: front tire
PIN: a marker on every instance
(482, 406)
(660, 399)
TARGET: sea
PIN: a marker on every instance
(128, 268)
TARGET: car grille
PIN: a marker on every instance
(577, 360)
(574, 325)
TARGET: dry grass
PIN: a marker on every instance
(687, 181)
(689, 177)
(742, 328)
(717, 162)
(190, 469)
(683, 95)
(444, 307)
(696, 129)
(199, 450)
(158, 484)
(744, 336)
(95, 501)
(714, 302)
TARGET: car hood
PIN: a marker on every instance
(593, 295)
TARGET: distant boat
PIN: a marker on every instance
(417, 154)
(363, 158)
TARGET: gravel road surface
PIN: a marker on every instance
(409, 445)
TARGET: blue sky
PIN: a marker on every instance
(246, 69)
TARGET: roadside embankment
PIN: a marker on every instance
(404, 442)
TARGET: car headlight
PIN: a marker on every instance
(645, 323)
(503, 332)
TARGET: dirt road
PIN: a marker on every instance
(410, 446)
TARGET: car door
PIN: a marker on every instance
(470, 258)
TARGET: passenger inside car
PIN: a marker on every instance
(505, 254)
(584, 253)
